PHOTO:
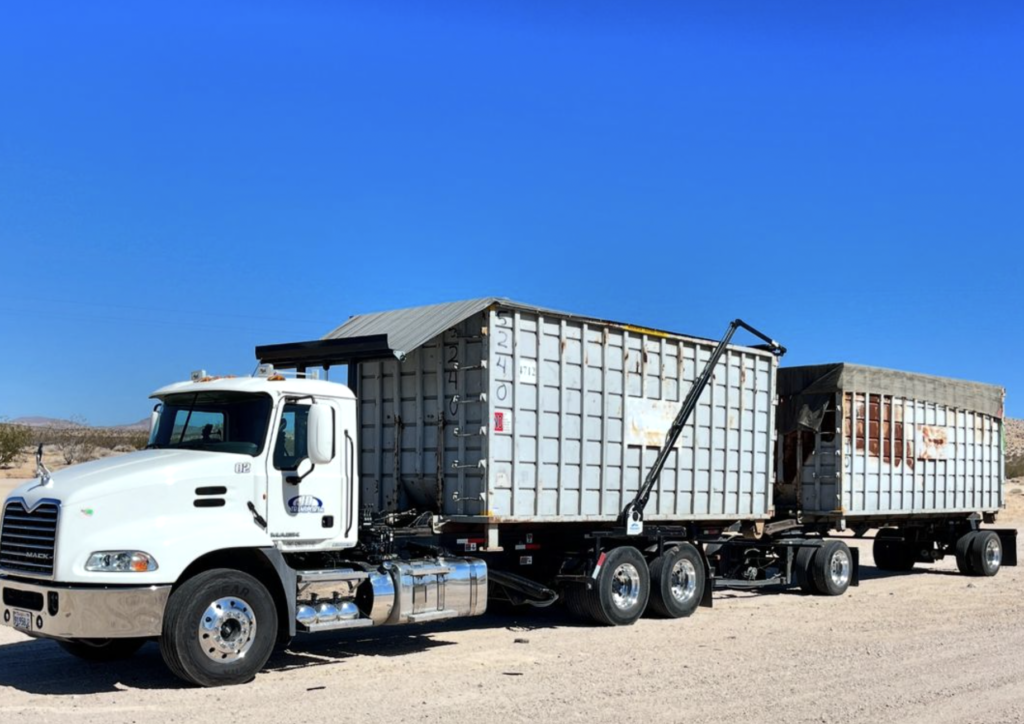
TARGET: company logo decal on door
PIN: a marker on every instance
(305, 504)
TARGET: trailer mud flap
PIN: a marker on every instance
(1008, 539)
(707, 599)
(855, 565)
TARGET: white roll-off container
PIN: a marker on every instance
(493, 410)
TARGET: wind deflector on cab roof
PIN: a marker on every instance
(325, 352)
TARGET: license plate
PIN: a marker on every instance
(23, 620)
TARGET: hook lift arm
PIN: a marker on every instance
(633, 514)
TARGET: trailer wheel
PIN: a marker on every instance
(985, 553)
(576, 600)
(99, 650)
(891, 553)
(802, 569)
(219, 628)
(964, 563)
(677, 581)
(832, 568)
(620, 593)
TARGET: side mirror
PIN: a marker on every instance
(154, 417)
(320, 434)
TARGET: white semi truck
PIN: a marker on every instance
(481, 449)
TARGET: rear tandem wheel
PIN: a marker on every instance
(677, 581)
(619, 594)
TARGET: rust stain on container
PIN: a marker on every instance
(876, 423)
(934, 441)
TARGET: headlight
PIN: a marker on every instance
(121, 562)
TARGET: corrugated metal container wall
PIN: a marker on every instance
(527, 415)
(861, 441)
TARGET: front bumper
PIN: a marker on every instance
(68, 611)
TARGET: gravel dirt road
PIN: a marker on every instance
(931, 646)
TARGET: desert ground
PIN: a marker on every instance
(931, 646)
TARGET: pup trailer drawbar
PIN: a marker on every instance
(493, 450)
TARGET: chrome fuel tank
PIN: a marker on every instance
(430, 589)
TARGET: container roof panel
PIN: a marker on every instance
(408, 329)
(814, 384)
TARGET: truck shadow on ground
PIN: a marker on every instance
(871, 573)
(868, 574)
(41, 667)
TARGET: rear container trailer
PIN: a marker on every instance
(861, 442)
(493, 411)
(919, 457)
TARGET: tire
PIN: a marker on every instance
(620, 593)
(802, 569)
(219, 628)
(98, 650)
(891, 553)
(677, 582)
(963, 546)
(985, 553)
(575, 597)
(832, 568)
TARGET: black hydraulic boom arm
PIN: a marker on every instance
(633, 514)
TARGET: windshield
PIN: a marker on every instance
(232, 422)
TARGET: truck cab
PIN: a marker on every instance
(232, 530)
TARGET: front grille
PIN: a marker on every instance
(28, 538)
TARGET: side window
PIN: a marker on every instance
(198, 426)
(290, 444)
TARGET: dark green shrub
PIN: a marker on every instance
(13, 440)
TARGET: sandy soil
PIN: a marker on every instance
(930, 646)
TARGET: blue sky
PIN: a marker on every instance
(179, 183)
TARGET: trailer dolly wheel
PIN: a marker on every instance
(802, 569)
(677, 581)
(832, 568)
(964, 563)
(219, 628)
(985, 553)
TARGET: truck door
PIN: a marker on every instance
(308, 504)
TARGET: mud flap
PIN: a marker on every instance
(1008, 539)
(707, 599)
(855, 565)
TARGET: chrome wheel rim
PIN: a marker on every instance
(993, 552)
(227, 630)
(839, 568)
(625, 586)
(683, 581)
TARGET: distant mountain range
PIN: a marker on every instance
(142, 424)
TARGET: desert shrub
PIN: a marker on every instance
(1015, 468)
(13, 439)
(75, 444)
(120, 439)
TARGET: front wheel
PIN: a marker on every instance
(677, 581)
(219, 628)
(99, 650)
